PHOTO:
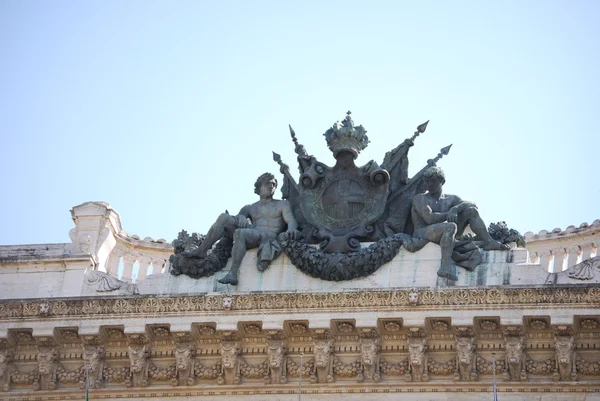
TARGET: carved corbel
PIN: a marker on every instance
(230, 361)
(369, 359)
(323, 367)
(47, 357)
(417, 355)
(277, 360)
(566, 357)
(6, 368)
(185, 360)
(514, 355)
(139, 360)
(93, 363)
(466, 368)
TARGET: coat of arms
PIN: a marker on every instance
(342, 202)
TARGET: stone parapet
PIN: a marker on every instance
(559, 250)
(103, 260)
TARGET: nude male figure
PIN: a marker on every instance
(268, 217)
(439, 218)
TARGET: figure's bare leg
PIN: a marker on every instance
(442, 234)
(243, 239)
(447, 269)
(216, 231)
(471, 217)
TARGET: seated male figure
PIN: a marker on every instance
(439, 218)
(268, 218)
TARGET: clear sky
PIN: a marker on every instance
(170, 110)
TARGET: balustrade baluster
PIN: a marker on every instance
(157, 265)
(112, 267)
(533, 256)
(573, 255)
(558, 255)
(586, 251)
(128, 262)
(143, 271)
(545, 259)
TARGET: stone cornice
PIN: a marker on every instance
(165, 392)
(399, 299)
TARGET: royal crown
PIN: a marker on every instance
(344, 136)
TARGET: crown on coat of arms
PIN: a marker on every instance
(345, 136)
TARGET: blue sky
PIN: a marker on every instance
(170, 110)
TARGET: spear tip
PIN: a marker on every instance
(421, 128)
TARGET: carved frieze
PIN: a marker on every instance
(343, 300)
(207, 372)
(410, 356)
(389, 368)
(254, 371)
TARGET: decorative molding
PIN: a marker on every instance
(359, 300)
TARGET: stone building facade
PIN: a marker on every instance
(106, 303)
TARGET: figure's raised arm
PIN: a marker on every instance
(458, 206)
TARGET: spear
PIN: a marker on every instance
(293, 135)
(431, 162)
(388, 160)
(297, 146)
(443, 152)
(420, 129)
(285, 170)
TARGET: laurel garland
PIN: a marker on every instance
(307, 258)
(339, 266)
(195, 267)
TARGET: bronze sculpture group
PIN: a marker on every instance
(255, 224)
(339, 207)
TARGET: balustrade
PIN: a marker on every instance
(550, 249)
(98, 232)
